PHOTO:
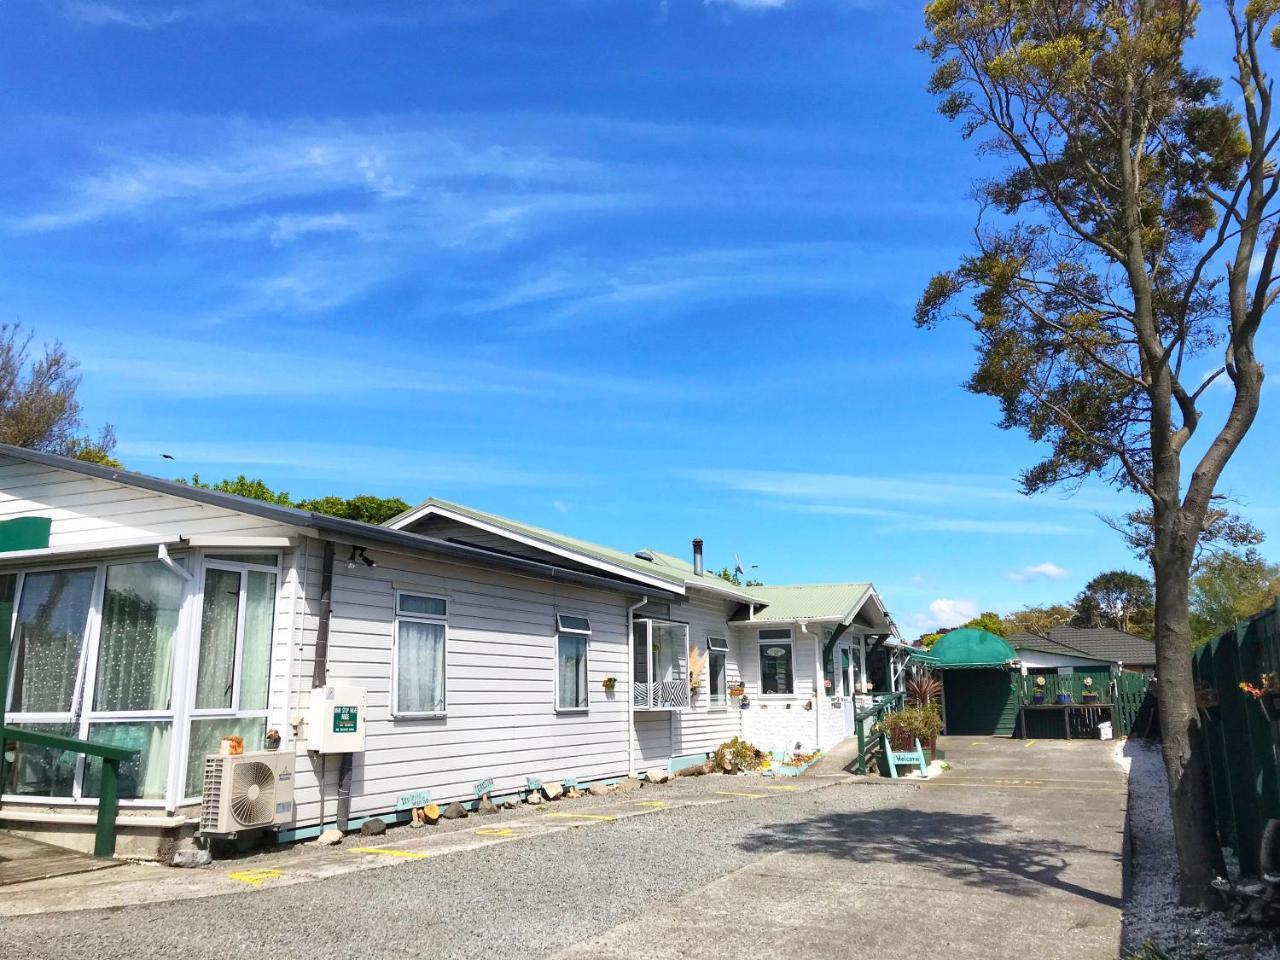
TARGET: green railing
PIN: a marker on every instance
(881, 703)
(104, 838)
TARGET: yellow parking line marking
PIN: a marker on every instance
(388, 852)
(496, 832)
(783, 786)
(650, 803)
(254, 878)
(579, 816)
(1028, 743)
(730, 793)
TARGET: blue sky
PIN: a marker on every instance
(639, 271)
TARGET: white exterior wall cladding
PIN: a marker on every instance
(500, 721)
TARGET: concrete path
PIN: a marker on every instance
(1015, 850)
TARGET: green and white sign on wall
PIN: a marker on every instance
(344, 719)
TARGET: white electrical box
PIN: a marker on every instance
(336, 719)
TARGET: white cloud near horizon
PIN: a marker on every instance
(1046, 570)
(951, 613)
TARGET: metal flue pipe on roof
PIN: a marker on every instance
(697, 556)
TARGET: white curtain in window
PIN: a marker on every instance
(572, 657)
(420, 667)
(219, 615)
(52, 613)
(138, 635)
(255, 658)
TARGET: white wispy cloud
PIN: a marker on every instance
(331, 369)
(1046, 570)
(417, 472)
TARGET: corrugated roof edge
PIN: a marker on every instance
(307, 519)
(584, 549)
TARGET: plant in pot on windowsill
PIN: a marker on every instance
(610, 683)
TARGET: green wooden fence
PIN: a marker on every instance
(1127, 692)
(1243, 745)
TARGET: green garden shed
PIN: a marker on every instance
(978, 695)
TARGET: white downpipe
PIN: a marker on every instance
(631, 682)
(817, 681)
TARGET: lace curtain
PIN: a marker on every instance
(573, 673)
(420, 667)
(220, 614)
(52, 614)
(137, 638)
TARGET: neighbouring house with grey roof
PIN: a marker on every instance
(443, 655)
(1084, 648)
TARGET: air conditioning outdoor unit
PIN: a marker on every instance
(246, 792)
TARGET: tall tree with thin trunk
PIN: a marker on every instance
(1131, 232)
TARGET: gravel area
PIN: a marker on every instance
(1152, 911)
(516, 900)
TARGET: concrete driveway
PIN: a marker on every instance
(1015, 851)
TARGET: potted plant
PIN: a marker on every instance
(1267, 693)
(610, 683)
(1063, 697)
(737, 690)
(1037, 695)
(272, 741)
(1090, 695)
(904, 727)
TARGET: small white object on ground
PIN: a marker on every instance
(330, 838)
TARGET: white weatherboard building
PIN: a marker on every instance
(162, 617)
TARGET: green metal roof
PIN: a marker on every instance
(810, 601)
(969, 647)
(663, 566)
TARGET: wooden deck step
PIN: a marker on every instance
(22, 860)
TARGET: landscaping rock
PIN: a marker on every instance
(533, 799)
(573, 793)
(486, 805)
(455, 811)
(657, 775)
(330, 838)
(431, 813)
(373, 827)
(553, 790)
(599, 789)
(190, 857)
(627, 784)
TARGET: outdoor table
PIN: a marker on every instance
(1066, 709)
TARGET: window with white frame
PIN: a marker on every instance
(777, 663)
(717, 661)
(94, 650)
(660, 669)
(418, 661)
(573, 633)
(232, 659)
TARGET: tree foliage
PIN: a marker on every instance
(1229, 588)
(39, 406)
(363, 507)
(1037, 621)
(732, 576)
(1132, 232)
(1117, 599)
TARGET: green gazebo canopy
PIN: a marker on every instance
(971, 648)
